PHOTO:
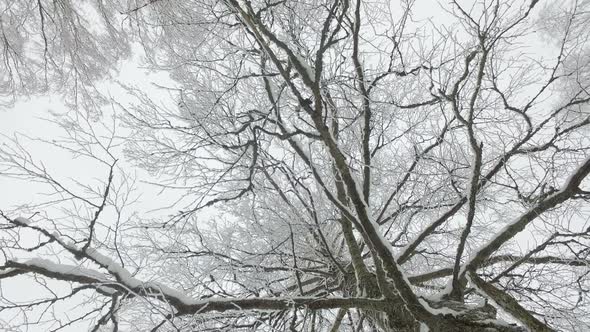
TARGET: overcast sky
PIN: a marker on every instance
(26, 118)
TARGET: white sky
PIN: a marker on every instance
(26, 118)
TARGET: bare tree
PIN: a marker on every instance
(328, 165)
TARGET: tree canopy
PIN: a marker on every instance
(300, 165)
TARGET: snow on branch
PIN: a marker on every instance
(569, 188)
(184, 304)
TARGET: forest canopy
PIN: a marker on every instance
(298, 165)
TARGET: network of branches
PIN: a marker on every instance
(298, 165)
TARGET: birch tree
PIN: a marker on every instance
(330, 165)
